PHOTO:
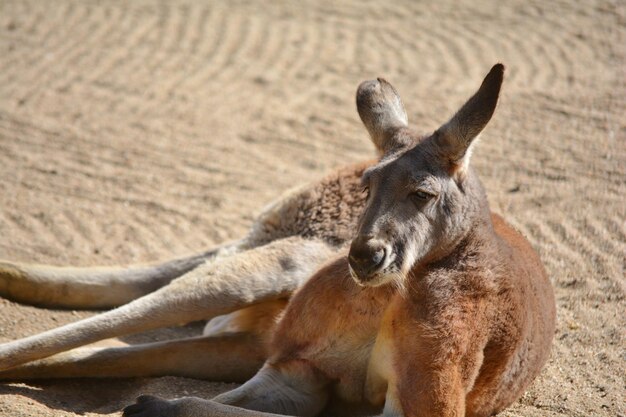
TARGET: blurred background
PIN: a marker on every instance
(138, 131)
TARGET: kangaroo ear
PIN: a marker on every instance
(382, 112)
(456, 136)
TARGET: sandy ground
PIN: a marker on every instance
(132, 132)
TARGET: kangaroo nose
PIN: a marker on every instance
(366, 257)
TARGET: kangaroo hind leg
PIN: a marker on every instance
(290, 389)
(231, 350)
(227, 284)
(233, 357)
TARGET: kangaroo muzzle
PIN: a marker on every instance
(367, 257)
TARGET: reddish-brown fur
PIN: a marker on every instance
(454, 341)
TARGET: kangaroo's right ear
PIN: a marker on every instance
(457, 135)
(381, 111)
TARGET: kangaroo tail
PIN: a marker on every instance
(90, 288)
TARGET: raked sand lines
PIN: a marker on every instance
(136, 131)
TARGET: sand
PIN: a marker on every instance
(133, 132)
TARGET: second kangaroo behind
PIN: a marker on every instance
(438, 307)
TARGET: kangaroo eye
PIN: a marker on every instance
(421, 196)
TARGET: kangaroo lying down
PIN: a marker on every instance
(437, 308)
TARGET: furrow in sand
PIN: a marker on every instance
(369, 58)
(39, 136)
(311, 55)
(294, 48)
(91, 62)
(224, 42)
(19, 26)
(133, 75)
(198, 35)
(560, 46)
(256, 52)
(411, 53)
(54, 63)
(434, 68)
(451, 55)
(162, 237)
(213, 28)
(616, 225)
(484, 48)
(29, 134)
(30, 226)
(460, 56)
(63, 234)
(59, 159)
(222, 63)
(511, 46)
(259, 46)
(129, 69)
(575, 29)
(542, 47)
(40, 33)
(553, 49)
(71, 71)
(81, 221)
(577, 241)
(52, 39)
(349, 38)
(159, 39)
(269, 49)
(25, 252)
(205, 28)
(182, 56)
(516, 42)
(151, 236)
(235, 65)
(360, 48)
(137, 232)
(491, 46)
(552, 248)
(139, 201)
(9, 153)
(116, 70)
(16, 222)
(335, 52)
(170, 53)
(605, 235)
(179, 33)
(387, 55)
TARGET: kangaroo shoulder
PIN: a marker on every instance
(327, 209)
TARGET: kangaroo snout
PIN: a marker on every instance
(367, 256)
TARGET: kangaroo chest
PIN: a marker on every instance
(339, 333)
(348, 359)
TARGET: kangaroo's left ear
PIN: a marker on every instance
(455, 138)
(382, 113)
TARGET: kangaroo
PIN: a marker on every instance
(437, 307)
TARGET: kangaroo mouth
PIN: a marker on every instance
(387, 272)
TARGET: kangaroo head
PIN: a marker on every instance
(423, 196)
